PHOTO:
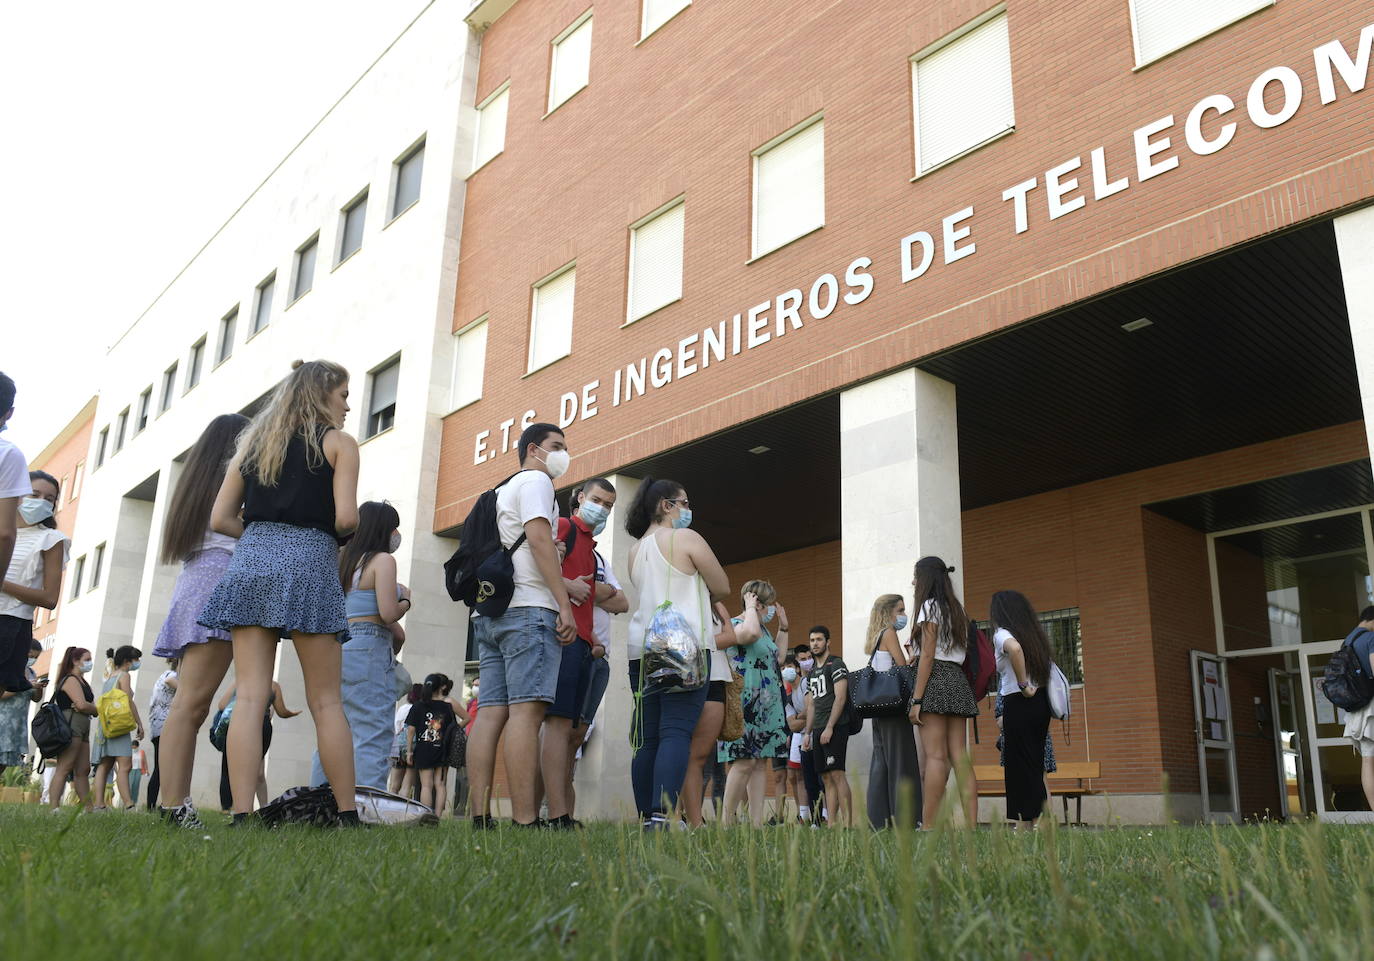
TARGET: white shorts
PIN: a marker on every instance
(795, 754)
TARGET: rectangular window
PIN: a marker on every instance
(64, 494)
(169, 380)
(572, 59)
(1064, 629)
(77, 576)
(551, 318)
(408, 171)
(381, 398)
(659, 12)
(121, 428)
(351, 232)
(145, 403)
(228, 326)
(961, 89)
(491, 127)
(262, 306)
(197, 362)
(656, 261)
(102, 442)
(97, 562)
(78, 476)
(305, 268)
(469, 359)
(1162, 26)
(789, 187)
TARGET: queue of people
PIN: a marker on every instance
(272, 543)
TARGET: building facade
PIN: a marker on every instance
(348, 250)
(1074, 295)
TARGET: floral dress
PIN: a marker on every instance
(764, 726)
(14, 725)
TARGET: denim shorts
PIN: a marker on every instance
(519, 655)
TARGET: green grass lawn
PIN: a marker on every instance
(117, 886)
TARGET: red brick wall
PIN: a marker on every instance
(808, 586)
(681, 112)
(61, 462)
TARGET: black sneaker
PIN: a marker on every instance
(537, 824)
(249, 820)
(349, 819)
(565, 822)
(185, 816)
(483, 822)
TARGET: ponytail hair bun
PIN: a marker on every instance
(109, 652)
(297, 363)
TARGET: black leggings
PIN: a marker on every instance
(1025, 725)
(156, 779)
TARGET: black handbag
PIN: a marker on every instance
(51, 730)
(887, 693)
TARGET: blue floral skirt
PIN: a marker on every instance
(284, 578)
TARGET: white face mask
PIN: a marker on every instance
(395, 544)
(806, 663)
(33, 661)
(85, 667)
(557, 462)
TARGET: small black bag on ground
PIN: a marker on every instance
(480, 572)
(317, 806)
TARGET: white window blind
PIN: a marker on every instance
(551, 322)
(381, 407)
(408, 172)
(659, 12)
(354, 219)
(305, 268)
(789, 188)
(1163, 26)
(262, 310)
(656, 262)
(491, 128)
(962, 93)
(469, 359)
(572, 57)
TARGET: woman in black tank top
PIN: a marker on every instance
(295, 479)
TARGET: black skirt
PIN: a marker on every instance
(947, 692)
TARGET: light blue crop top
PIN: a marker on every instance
(363, 603)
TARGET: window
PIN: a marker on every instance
(121, 427)
(197, 362)
(469, 359)
(659, 12)
(228, 325)
(551, 318)
(262, 307)
(305, 268)
(789, 187)
(656, 261)
(77, 576)
(101, 443)
(381, 398)
(1064, 630)
(145, 403)
(351, 232)
(64, 493)
(1162, 26)
(169, 380)
(961, 89)
(408, 171)
(97, 562)
(491, 127)
(572, 58)
(78, 476)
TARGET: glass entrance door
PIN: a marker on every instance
(1288, 721)
(1216, 748)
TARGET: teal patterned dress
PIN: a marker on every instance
(765, 730)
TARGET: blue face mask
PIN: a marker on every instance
(789, 674)
(768, 613)
(901, 622)
(135, 665)
(594, 515)
(35, 510)
(683, 518)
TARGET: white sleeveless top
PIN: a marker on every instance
(655, 580)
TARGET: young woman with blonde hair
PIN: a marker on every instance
(894, 773)
(289, 494)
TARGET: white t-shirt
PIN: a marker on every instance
(944, 651)
(601, 620)
(26, 563)
(402, 712)
(1009, 683)
(161, 703)
(528, 495)
(14, 471)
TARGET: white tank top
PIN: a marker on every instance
(655, 580)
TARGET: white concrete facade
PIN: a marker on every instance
(899, 501)
(393, 297)
(1355, 247)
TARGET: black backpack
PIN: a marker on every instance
(51, 730)
(480, 572)
(1346, 681)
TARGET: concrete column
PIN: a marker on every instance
(603, 774)
(899, 500)
(1355, 246)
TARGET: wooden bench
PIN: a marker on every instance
(1067, 782)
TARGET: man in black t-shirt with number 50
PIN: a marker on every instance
(827, 725)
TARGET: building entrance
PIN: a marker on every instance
(1285, 593)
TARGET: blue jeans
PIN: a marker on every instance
(369, 702)
(666, 722)
(519, 655)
